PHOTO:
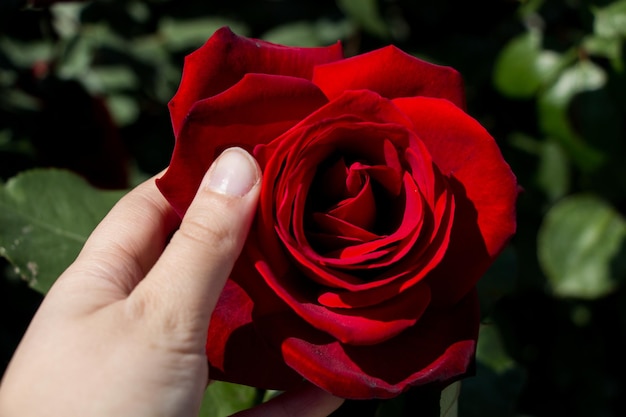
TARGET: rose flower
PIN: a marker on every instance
(382, 204)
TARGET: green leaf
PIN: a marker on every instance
(610, 21)
(222, 399)
(366, 14)
(609, 32)
(112, 78)
(66, 18)
(188, 34)
(523, 67)
(553, 173)
(311, 34)
(123, 108)
(25, 54)
(490, 350)
(449, 401)
(79, 52)
(610, 48)
(553, 109)
(46, 216)
(529, 9)
(301, 34)
(165, 75)
(579, 244)
(18, 100)
(525, 143)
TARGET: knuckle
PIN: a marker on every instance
(163, 327)
(211, 233)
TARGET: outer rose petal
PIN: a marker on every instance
(438, 350)
(485, 189)
(355, 326)
(231, 118)
(226, 57)
(391, 73)
(236, 352)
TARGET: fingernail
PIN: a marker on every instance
(233, 173)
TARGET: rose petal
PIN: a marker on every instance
(359, 105)
(347, 110)
(359, 210)
(438, 350)
(328, 223)
(332, 242)
(288, 149)
(405, 274)
(226, 57)
(230, 338)
(391, 73)
(365, 326)
(485, 192)
(389, 177)
(234, 118)
(335, 188)
(370, 254)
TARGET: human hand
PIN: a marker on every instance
(122, 332)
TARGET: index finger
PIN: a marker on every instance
(186, 281)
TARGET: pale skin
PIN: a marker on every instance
(122, 332)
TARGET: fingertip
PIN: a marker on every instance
(234, 173)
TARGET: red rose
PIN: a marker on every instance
(382, 204)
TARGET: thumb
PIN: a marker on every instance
(185, 283)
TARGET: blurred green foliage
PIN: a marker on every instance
(546, 78)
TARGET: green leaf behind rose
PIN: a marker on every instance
(46, 216)
(581, 246)
(553, 106)
(222, 399)
(366, 14)
(523, 67)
